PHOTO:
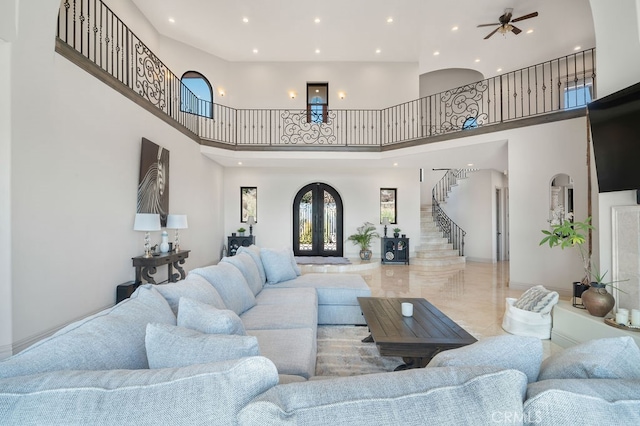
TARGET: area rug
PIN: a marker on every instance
(321, 260)
(341, 351)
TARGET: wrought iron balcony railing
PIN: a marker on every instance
(93, 30)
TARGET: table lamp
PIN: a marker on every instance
(251, 221)
(147, 222)
(385, 222)
(177, 221)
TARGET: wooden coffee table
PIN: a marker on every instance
(416, 339)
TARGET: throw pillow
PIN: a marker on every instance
(294, 264)
(230, 284)
(254, 251)
(609, 358)
(537, 299)
(170, 346)
(245, 264)
(511, 352)
(193, 287)
(208, 319)
(277, 265)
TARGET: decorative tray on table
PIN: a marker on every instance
(612, 322)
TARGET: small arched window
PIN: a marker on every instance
(196, 95)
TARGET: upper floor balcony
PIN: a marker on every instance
(97, 40)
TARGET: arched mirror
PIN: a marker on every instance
(561, 199)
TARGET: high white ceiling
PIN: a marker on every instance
(353, 30)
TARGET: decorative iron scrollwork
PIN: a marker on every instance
(299, 129)
(151, 73)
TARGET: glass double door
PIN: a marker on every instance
(317, 221)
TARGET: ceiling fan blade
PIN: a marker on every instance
(488, 25)
(515, 30)
(492, 33)
(522, 18)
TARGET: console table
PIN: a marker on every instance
(395, 250)
(147, 266)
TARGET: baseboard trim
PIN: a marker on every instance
(480, 259)
(5, 351)
(23, 344)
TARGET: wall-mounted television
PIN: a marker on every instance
(615, 131)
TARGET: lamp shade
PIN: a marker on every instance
(146, 222)
(385, 221)
(251, 221)
(177, 221)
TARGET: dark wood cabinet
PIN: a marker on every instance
(235, 242)
(395, 250)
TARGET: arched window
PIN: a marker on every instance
(317, 102)
(196, 94)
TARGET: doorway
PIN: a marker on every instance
(317, 221)
(502, 224)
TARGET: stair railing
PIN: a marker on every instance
(451, 231)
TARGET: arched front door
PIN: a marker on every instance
(317, 221)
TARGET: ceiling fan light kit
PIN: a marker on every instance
(505, 23)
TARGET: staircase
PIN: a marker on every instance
(434, 250)
(441, 239)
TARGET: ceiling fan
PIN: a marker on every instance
(505, 25)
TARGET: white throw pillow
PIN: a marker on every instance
(537, 299)
(208, 319)
(278, 264)
(169, 346)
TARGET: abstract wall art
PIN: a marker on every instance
(153, 186)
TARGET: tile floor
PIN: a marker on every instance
(473, 296)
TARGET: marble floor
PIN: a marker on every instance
(473, 296)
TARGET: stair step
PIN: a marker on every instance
(444, 261)
(430, 254)
(434, 246)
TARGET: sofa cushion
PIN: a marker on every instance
(208, 319)
(513, 352)
(277, 264)
(293, 351)
(170, 346)
(194, 395)
(537, 299)
(245, 264)
(287, 296)
(193, 287)
(609, 358)
(254, 251)
(230, 284)
(583, 401)
(429, 396)
(110, 339)
(263, 317)
(333, 289)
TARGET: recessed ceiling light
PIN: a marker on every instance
(436, 53)
(317, 20)
(529, 31)
(395, 164)
(577, 48)
(317, 51)
(255, 50)
(378, 51)
(239, 163)
(477, 60)
(172, 20)
(245, 19)
(469, 164)
(455, 28)
(389, 20)
(499, 70)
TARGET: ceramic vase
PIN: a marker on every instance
(597, 300)
(164, 245)
(365, 254)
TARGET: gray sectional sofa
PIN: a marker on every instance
(224, 346)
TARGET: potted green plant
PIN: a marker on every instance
(396, 232)
(565, 233)
(241, 231)
(366, 233)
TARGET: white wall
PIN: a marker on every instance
(472, 205)
(75, 158)
(5, 200)
(359, 190)
(373, 85)
(618, 67)
(441, 80)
